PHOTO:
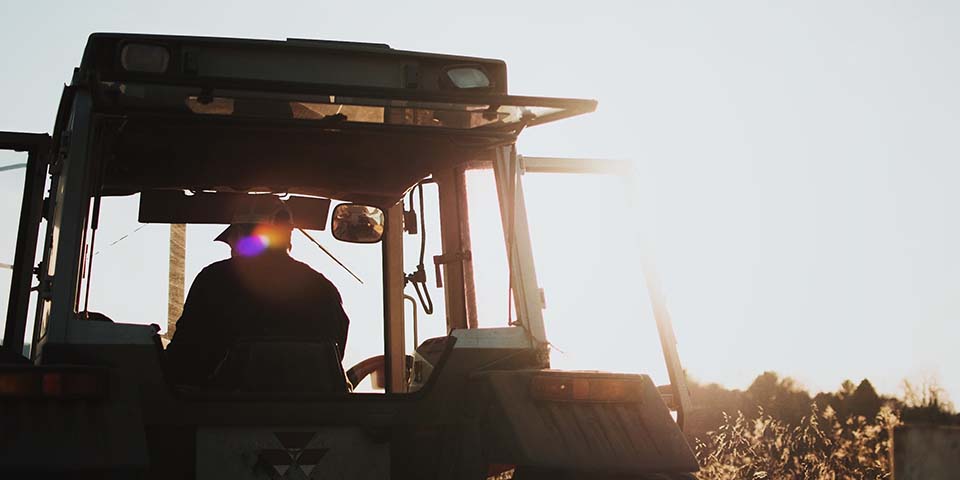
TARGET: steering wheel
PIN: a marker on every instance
(375, 364)
(358, 372)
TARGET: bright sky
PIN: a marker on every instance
(796, 168)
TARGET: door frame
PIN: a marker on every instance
(37, 147)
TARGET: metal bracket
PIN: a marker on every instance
(448, 258)
(64, 143)
(44, 288)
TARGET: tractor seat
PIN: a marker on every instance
(281, 365)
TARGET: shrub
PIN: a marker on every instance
(821, 446)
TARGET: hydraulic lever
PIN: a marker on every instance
(419, 277)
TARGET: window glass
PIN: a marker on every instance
(12, 175)
(585, 233)
(435, 324)
(129, 281)
(491, 274)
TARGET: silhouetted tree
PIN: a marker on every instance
(781, 398)
(864, 400)
(784, 400)
(846, 389)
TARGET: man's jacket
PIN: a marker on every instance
(270, 295)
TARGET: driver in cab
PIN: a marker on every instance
(259, 292)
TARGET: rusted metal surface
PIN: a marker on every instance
(177, 277)
(927, 452)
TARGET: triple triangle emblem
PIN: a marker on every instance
(295, 456)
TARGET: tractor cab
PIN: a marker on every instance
(385, 162)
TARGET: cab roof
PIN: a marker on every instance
(353, 121)
(293, 64)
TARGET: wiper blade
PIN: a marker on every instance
(12, 167)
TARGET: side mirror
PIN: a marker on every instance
(357, 223)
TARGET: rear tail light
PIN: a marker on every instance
(62, 383)
(579, 389)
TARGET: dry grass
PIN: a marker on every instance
(821, 446)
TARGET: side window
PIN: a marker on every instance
(490, 270)
(127, 266)
(585, 234)
(428, 225)
(12, 176)
(12, 173)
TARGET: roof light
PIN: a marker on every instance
(580, 389)
(140, 57)
(465, 77)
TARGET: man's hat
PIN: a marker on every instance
(256, 211)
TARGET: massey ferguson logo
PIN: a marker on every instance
(294, 461)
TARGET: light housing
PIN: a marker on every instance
(557, 388)
(465, 77)
(144, 58)
(53, 382)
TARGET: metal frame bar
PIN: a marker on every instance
(575, 165)
(69, 221)
(450, 238)
(523, 274)
(466, 245)
(577, 105)
(490, 131)
(394, 344)
(37, 146)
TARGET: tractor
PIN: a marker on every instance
(347, 137)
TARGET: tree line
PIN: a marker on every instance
(782, 398)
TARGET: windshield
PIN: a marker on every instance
(137, 272)
(131, 261)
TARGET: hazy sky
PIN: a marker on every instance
(797, 164)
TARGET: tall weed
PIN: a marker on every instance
(821, 446)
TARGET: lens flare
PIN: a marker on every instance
(263, 237)
(252, 245)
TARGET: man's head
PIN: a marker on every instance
(253, 233)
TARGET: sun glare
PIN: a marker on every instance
(597, 314)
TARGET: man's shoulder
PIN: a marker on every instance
(214, 268)
(315, 277)
(308, 270)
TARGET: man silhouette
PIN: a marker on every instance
(259, 292)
